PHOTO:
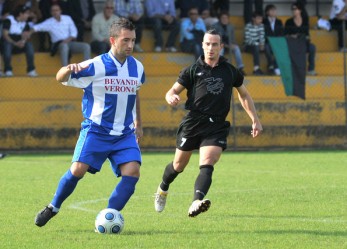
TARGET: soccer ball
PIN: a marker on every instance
(109, 221)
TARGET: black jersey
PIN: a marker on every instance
(209, 89)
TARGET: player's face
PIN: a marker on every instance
(123, 44)
(211, 46)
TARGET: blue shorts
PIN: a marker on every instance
(94, 148)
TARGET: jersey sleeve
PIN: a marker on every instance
(238, 78)
(184, 77)
(83, 78)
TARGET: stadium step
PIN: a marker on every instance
(170, 64)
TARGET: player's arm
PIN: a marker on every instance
(248, 104)
(138, 120)
(172, 96)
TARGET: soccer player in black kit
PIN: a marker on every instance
(209, 82)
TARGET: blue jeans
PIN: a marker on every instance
(9, 49)
(255, 51)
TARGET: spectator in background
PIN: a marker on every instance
(32, 5)
(101, 24)
(192, 33)
(298, 27)
(336, 18)
(273, 27)
(16, 35)
(82, 13)
(162, 15)
(45, 8)
(184, 6)
(134, 11)
(248, 9)
(208, 19)
(255, 40)
(226, 29)
(63, 33)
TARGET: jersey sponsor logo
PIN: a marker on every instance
(120, 85)
(214, 85)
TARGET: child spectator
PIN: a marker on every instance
(273, 27)
(16, 35)
(226, 29)
(162, 15)
(255, 40)
(192, 33)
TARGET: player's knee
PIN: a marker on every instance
(79, 169)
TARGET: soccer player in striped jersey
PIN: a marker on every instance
(112, 121)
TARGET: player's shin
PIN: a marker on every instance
(122, 193)
(203, 182)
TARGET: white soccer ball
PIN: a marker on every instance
(109, 221)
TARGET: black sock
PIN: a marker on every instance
(168, 177)
(203, 182)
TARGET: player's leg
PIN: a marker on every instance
(125, 160)
(209, 155)
(90, 153)
(66, 186)
(171, 171)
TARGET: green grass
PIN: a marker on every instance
(259, 200)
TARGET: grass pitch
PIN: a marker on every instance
(259, 200)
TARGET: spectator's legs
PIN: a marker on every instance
(80, 47)
(99, 47)
(269, 56)
(139, 24)
(157, 30)
(337, 25)
(311, 57)
(254, 50)
(7, 54)
(174, 28)
(29, 53)
(238, 57)
(64, 53)
(258, 4)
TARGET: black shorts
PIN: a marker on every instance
(197, 130)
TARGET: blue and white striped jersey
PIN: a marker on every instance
(109, 99)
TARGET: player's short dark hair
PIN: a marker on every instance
(214, 32)
(121, 23)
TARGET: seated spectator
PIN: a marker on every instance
(100, 28)
(255, 40)
(16, 34)
(248, 9)
(273, 27)
(82, 13)
(134, 11)
(45, 8)
(162, 15)
(192, 33)
(337, 16)
(63, 33)
(184, 6)
(298, 27)
(226, 29)
(208, 19)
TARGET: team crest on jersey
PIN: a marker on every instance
(214, 85)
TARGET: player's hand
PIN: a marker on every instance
(138, 133)
(257, 128)
(75, 68)
(173, 100)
